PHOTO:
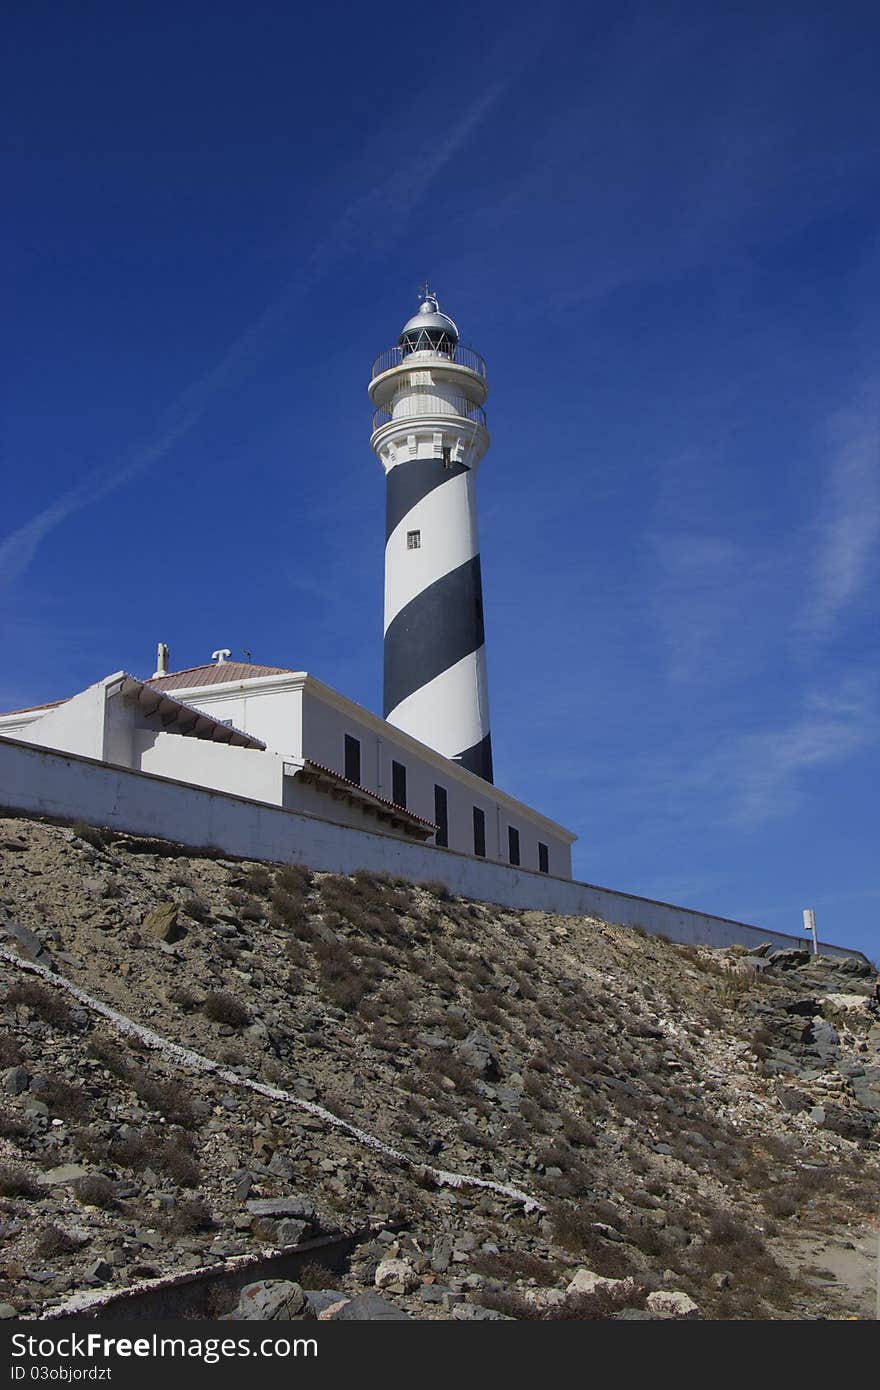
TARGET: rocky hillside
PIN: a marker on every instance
(644, 1118)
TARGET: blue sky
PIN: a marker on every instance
(657, 222)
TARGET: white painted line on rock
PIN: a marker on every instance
(195, 1061)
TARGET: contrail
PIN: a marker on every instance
(401, 191)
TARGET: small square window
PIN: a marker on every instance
(413, 540)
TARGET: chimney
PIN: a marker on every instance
(161, 660)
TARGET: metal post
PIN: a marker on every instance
(810, 927)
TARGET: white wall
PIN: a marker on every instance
(77, 726)
(245, 772)
(40, 781)
(323, 732)
(273, 715)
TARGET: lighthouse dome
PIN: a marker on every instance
(429, 330)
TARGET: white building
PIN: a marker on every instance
(284, 738)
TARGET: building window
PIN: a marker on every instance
(413, 540)
(398, 784)
(543, 859)
(353, 758)
(446, 455)
(513, 844)
(479, 833)
(441, 817)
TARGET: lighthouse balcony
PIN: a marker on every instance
(446, 352)
(426, 403)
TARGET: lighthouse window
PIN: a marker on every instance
(513, 844)
(398, 784)
(543, 859)
(352, 758)
(446, 455)
(479, 832)
(413, 540)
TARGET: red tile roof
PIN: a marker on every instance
(329, 774)
(34, 709)
(194, 677)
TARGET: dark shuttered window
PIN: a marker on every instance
(352, 758)
(398, 784)
(543, 859)
(441, 816)
(513, 844)
(479, 833)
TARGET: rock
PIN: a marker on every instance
(808, 1008)
(369, 1307)
(290, 1232)
(162, 922)
(27, 943)
(320, 1299)
(7, 1311)
(281, 1206)
(850, 1003)
(824, 1038)
(397, 1275)
(68, 1172)
(15, 1080)
(793, 1100)
(441, 1254)
(99, 1273)
(789, 959)
(866, 1091)
(749, 965)
(849, 1124)
(853, 965)
(271, 1300)
(544, 1298)
(432, 1293)
(476, 1053)
(672, 1304)
(332, 1310)
(475, 1312)
(585, 1281)
(465, 1243)
(281, 1167)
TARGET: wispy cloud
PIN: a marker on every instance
(844, 537)
(763, 774)
(375, 217)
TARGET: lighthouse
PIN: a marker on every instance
(429, 434)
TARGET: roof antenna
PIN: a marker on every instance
(248, 654)
(220, 655)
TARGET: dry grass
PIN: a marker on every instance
(45, 1002)
(96, 1191)
(15, 1182)
(220, 1007)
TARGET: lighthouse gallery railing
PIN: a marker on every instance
(463, 356)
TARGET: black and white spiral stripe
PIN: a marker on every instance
(435, 653)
